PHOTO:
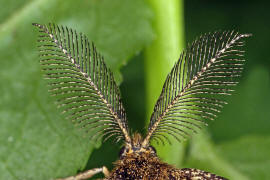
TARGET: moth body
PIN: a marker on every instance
(144, 164)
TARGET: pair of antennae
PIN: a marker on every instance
(192, 92)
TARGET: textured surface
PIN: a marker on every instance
(81, 82)
(36, 141)
(193, 92)
(147, 166)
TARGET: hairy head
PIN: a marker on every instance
(136, 147)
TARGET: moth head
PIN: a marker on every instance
(136, 147)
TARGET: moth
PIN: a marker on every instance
(193, 93)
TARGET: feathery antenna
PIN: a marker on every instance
(193, 90)
(83, 85)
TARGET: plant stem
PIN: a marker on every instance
(160, 57)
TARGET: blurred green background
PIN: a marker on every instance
(140, 41)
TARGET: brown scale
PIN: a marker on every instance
(144, 164)
(191, 95)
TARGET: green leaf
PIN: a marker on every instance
(249, 155)
(246, 118)
(203, 154)
(247, 111)
(241, 133)
(37, 142)
(13, 6)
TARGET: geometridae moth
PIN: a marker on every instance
(192, 93)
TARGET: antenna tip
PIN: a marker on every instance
(247, 35)
(37, 25)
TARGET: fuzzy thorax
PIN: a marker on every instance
(137, 165)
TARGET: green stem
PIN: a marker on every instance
(160, 57)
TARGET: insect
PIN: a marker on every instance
(192, 94)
